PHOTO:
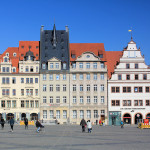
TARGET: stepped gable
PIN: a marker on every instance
(77, 49)
(24, 47)
(113, 57)
(13, 59)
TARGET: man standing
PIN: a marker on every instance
(83, 124)
(2, 123)
(26, 123)
(11, 124)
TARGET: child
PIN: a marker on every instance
(89, 126)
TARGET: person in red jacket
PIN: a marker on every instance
(100, 122)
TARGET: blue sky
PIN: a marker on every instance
(89, 21)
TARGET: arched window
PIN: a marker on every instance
(64, 65)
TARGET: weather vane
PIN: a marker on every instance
(131, 32)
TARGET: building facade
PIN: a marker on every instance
(54, 75)
(129, 88)
(88, 82)
(19, 79)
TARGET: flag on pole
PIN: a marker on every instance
(129, 30)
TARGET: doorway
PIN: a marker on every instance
(127, 119)
(9, 116)
(34, 116)
(113, 120)
(138, 118)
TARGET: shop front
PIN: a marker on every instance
(114, 118)
(127, 118)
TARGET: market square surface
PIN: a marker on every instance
(70, 137)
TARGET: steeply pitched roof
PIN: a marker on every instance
(78, 48)
(113, 57)
(24, 48)
(13, 59)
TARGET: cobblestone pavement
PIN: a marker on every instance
(65, 137)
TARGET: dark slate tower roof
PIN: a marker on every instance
(54, 43)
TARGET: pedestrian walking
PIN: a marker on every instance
(11, 124)
(83, 124)
(2, 123)
(38, 125)
(89, 126)
(122, 124)
(100, 122)
(26, 122)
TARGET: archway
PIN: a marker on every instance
(34, 116)
(9, 116)
(138, 118)
(23, 115)
(148, 117)
(127, 118)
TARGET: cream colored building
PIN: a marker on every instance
(88, 88)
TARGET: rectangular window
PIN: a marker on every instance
(57, 114)
(57, 99)
(27, 69)
(57, 77)
(27, 92)
(95, 65)
(88, 76)
(115, 89)
(64, 99)
(27, 80)
(57, 87)
(119, 77)
(88, 99)
(95, 76)
(138, 89)
(81, 88)
(147, 89)
(64, 114)
(22, 104)
(57, 65)
(3, 69)
(102, 99)
(74, 114)
(31, 80)
(127, 77)
(147, 102)
(51, 88)
(36, 80)
(73, 76)
(81, 65)
(144, 76)
(27, 103)
(3, 92)
(136, 66)
(36, 104)
(126, 102)
(74, 100)
(7, 81)
(87, 65)
(44, 77)
(3, 80)
(95, 113)
(44, 88)
(115, 102)
(102, 87)
(95, 99)
(51, 114)
(14, 92)
(44, 99)
(95, 87)
(36, 92)
(22, 92)
(74, 88)
(51, 99)
(51, 77)
(22, 80)
(127, 66)
(14, 104)
(88, 87)
(13, 80)
(102, 65)
(2, 103)
(126, 89)
(7, 69)
(44, 114)
(81, 114)
(136, 77)
(51, 65)
(7, 91)
(88, 113)
(81, 76)
(31, 92)
(102, 112)
(64, 76)
(64, 87)
(37, 69)
(31, 104)
(8, 104)
(138, 102)
(81, 99)
(102, 76)
(73, 65)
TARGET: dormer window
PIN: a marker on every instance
(64, 65)
(5, 59)
(14, 54)
(101, 55)
(7, 54)
(43, 66)
(57, 65)
(73, 56)
(22, 46)
(51, 65)
(88, 56)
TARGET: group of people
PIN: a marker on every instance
(84, 124)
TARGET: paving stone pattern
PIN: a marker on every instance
(70, 137)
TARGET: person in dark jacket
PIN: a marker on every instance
(2, 123)
(83, 124)
(26, 123)
(39, 125)
(11, 124)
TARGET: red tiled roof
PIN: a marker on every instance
(78, 48)
(112, 58)
(25, 44)
(13, 59)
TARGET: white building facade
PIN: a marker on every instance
(129, 88)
